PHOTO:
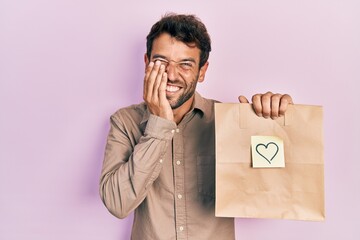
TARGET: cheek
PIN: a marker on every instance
(189, 76)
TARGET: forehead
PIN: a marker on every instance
(173, 49)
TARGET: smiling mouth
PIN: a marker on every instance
(171, 88)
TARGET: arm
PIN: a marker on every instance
(130, 168)
(128, 171)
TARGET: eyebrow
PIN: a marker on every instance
(182, 60)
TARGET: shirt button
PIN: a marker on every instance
(181, 228)
(161, 160)
(179, 196)
(177, 130)
(178, 162)
(172, 131)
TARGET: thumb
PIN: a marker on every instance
(243, 99)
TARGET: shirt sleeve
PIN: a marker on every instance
(130, 169)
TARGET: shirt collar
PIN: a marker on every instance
(199, 103)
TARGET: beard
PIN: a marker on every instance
(188, 92)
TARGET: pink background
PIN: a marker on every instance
(66, 66)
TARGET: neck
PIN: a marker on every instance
(181, 111)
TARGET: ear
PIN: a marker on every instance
(202, 72)
(146, 60)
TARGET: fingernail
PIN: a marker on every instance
(157, 63)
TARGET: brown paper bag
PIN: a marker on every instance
(293, 192)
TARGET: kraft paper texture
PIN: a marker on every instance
(295, 191)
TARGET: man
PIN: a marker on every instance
(160, 154)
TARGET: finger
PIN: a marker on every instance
(146, 77)
(157, 82)
(266, 104)
(284, 102)
(151, 80)
(256, 100)
(162, 88)
(275, 102)
(243, 99)
(149, 68)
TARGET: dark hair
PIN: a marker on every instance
(185, 28)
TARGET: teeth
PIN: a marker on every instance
(170, 88)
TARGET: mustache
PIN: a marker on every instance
(176, 82)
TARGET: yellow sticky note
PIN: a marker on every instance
(267, 152)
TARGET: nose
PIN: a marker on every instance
(171, 71)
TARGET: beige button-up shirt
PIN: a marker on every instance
(165, 172)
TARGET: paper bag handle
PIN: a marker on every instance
(246, 114)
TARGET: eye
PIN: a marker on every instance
(186, 65)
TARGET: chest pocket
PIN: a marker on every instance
(206, 176)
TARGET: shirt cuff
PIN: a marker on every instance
(160, 128)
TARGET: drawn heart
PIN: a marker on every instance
(267, 151)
